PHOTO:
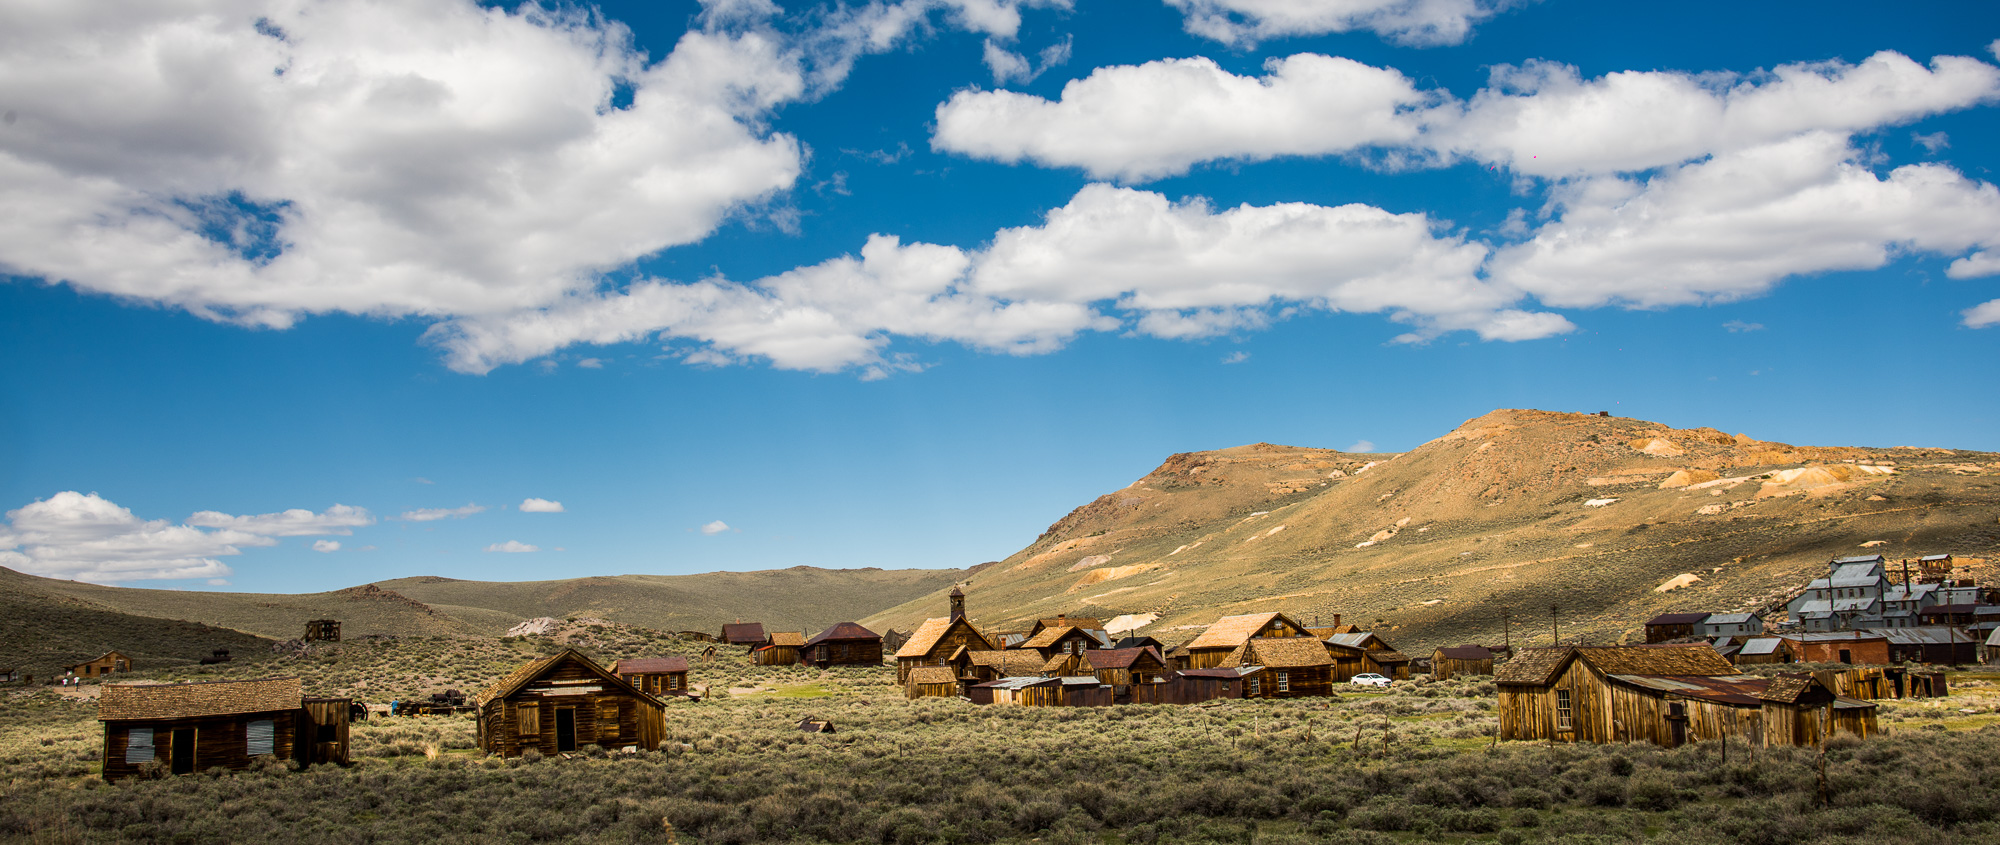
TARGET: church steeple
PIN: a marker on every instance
(957, 604)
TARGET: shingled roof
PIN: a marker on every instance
(1535, 666)
(1014, 662)
(1115, 658)
(788, 638)
(1233, 631)
(1047, 637)
(738, 633)
(1538, 666)
(932, 675)
(515, 680)
(926, 637)
(1288, 652)
(650, 665)
(135, 702)
(843, 631)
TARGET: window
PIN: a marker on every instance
(1284, 682)
(260, 738)
(326, 733)
(1256, 686)
(139, 745)
(607, 718)
(1563, 720)
(530, 717)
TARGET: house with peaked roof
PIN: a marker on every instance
(1230, 633)
(1719, 625)
(112, 661)
(194, 727)
(782, 650)
(1066, 639)
(993, 665)
(1760, 650)
(942, 642)
(1449, 662)
(749, 634)
(654, 675)
(562, 702)
(1666, 694)
(1125, 666)
(845, 644)
(1294, 667)
(1065, 620)
(1364, 652)
(1672, 626)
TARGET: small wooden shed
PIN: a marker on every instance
(1762, 650)
(1022, 692)
(655, 675)
(845, 644)
(194, 727)
(783, 649)
(112, 661)
(1448, 662)
(563, 702)
(1672, 626)
(931, 682)
(323, 630)
(749, 634)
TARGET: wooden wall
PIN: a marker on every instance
(777, 655)
(323, 731)
(845, 653)
(1445, 669)
(604, 713)
(1306, 682)
(659, 683)
(218, 741)
(931, 690)
(1044, 695)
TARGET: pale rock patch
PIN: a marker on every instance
(1088, 562)
(1657, 447)
(1685, 477)
(1682, 580)
(1873, 543)
(1598, 503)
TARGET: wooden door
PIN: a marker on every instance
(182, 756)
(565, 729)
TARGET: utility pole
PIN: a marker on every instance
(1507, 622)
(1553, 627)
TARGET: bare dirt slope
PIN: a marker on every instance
(1516, 509)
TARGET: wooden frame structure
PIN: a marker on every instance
(845, 644)
(195, 727)
(563, 702)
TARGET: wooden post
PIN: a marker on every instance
(1553, 628)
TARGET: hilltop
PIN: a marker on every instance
(1516, 509)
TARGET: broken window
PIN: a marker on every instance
(1563, 720)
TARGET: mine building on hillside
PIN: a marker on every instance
(1294, 667)
(654, 675)
(323, 631)
(563, 702)
(1721, 625)
(195, 727)
(1849, 597)
(845, 644)
(1664, 694)
(782, 650)
(1672, 626)
(750, 634)
(1853, 647)
(1230, 633)
(1449, 662)
(1363, 652)
(112, 661)
(941, 642)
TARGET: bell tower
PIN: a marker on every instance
(957, 604)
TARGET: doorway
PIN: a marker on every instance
(566, 729)
(182, 756)
(1847, 656)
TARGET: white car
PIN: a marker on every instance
(1369, 679)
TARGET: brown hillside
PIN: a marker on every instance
(1507, 511)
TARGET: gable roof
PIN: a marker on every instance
(1355, 640)
(1761, 645)
(130, 702)
(1071, 621)
(1288, 652)
(843, 631)
(1047, 637)
(1014, 662)
(743, 632)
(1138, 641)
(649, 665)
(1739, 690)
(1728, 618)
(1677, 619)
(515, 680)
(933, 675)
(1233, 631)
(1465, 652)
(927, 635)
(1535, 666)
(1539, 666)
(788, 638)
(1117, 658)
(1793, 689)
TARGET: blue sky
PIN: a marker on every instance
(302, 295)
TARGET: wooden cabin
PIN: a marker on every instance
(941, 642)
(1139, 641)
(783, 650)
(112, 661)
(1854, 647)
(1758, 651)
(1672, 626)
(1064, 620)
(994, 665)
(749, 634)
(563, 702)
(1178, 658)
(1125, 666)
(1021, 692)
(1448, 662)
(1663, 694)
(931, 682)
(1064, 639)
(1230, 633)
(1294, 667)
(1363, 652)
(323, 631)
(654, 675)
(845, 644)
(195, 727)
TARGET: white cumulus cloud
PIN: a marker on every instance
(540, 506)
(433, 514)
(1243, 23)
(297, 522)
(85, 537)
(716, 527)
(326, 545)
(513, 547)
(1983, 315)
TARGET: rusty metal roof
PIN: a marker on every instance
(1115, 658)
(736, 633)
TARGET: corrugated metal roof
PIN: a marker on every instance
(1236, 672)
(743, 632)
(1741, 690)
(1858, 559)
(1833, 636)
(1730, 618)
(1020, 683)
(1935, 557)
(1934, 635)
(1761, 645)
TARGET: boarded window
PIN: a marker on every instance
(1562, 710)
(139, 745)
(530, 719)
(607, 718)
(260, 738)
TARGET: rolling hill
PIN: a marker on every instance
(1515, 511)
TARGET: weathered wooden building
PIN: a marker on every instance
(195, 727)
(782, 650)
(1125, 666)
(1449, 662)
(1230, 633)
(323, 630)
(1029, 691)
(941, 642)
(112, 661)
(1942, 645)
(1294, 667)
(984, 666)
(563, 702)
(1854, 647)
(1762, 650)
(931, 682)
(1663, 694)
(1064, 620)
(748, 634)
(845, 644)
(1363, 652)
(1065, 639)
(1672, 626)
(654, 675)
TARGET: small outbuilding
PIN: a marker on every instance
(845, 644)
(1852, 647)
(323, 630)
(1672, 626)
(1024, 692)
(783, 650)
(112, 661)
(563, 702)
(931, 682)
(1762, 650)
(1448, 662)
(654, 675)
(749, 634)
(195, 727)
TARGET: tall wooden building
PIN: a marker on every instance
(563, 702)
(941, 642)
(845, 644)
(195, 727)
(654, 675)
(1230, 633)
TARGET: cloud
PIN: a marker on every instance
(88, 538)
(326, 545)
(1736, 326)
(1418, 23)
(1932, 142)
(297, 522)
(1736, 224)
(591, 363)
(540, 506)
(1009, 66)
(431, 514)
(1983, 315)
(716, 527)
(1171, 270)
(422, 480)
(1140, 122)
(1361, 446)
(1976, 265)
(1237, 357)
(513, 547)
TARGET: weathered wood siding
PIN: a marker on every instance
(1043, 695)
(658, 683)
(1444, 668)
(1307, 682)
(930, 690)
(218, 741)
(777, 655)
(323, 731)
(604, 714)
(845, 653)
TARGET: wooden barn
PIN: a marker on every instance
(845, 644)
(931, 682)
(1663, 694)
(1672, 626)
(1022, 692)
(1230, 633)
(941, 642)
(1125, 666)
(749, 634)
(195, 727)
(783, 649)
(563, 702)
(112, 661)
(1363, 652)
(654, 675)
(1448, 662)
(1294, 667)
(323, 630)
